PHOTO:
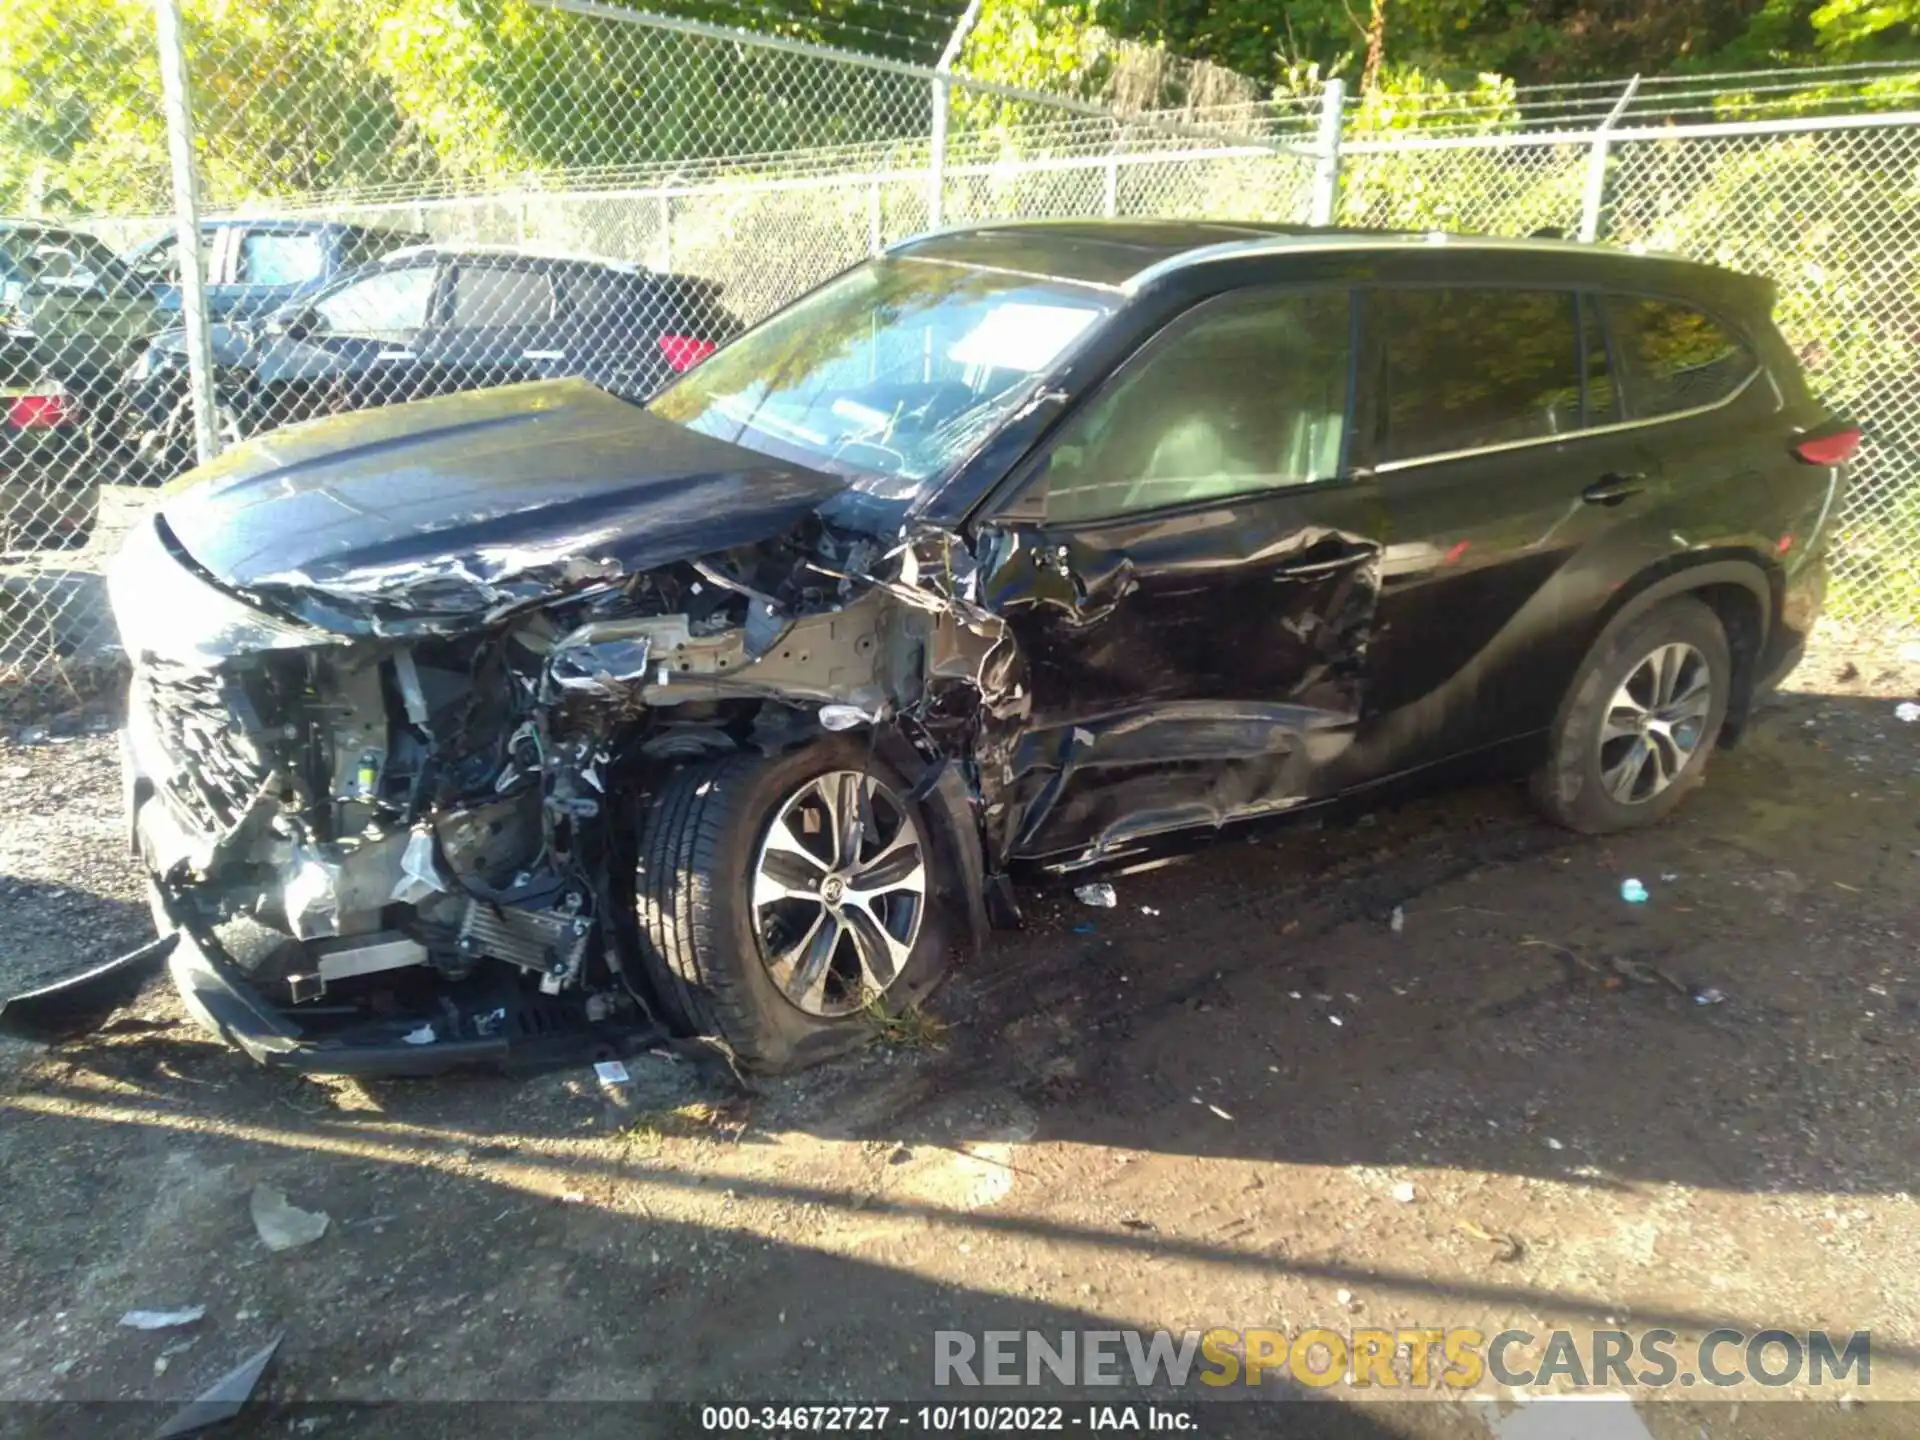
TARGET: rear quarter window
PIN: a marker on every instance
(1674, 357)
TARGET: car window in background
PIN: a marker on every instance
(1248, 395)
(62, 259)
(390, 302)
(270, 257)
(1674, 357)
(160, 262)
(494, 296)
(889, 375)
(1463, 369)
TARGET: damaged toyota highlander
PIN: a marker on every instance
(496, 724)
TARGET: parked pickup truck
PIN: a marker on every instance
(255, 266)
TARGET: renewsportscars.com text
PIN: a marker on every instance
(1412, 1359)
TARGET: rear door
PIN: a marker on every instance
(1190, 579)
(493, 328)
(1512, 494)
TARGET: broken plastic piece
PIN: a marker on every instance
(1100, 896)
(419, 873)
(162, 1319)
(843, 717)
(1633, 892)
(82, 1002)
(283, 1226)
(1906, 712)
(222, 1399)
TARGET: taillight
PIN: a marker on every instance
(683, 352)
(44, 410)
(1835, 447)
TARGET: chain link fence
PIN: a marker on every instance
(389, 200)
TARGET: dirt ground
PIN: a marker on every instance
(1202, 1108)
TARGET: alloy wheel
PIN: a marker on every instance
(1655, 723)
(839, 892)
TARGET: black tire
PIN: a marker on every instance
(1569, 786)
(699, 840)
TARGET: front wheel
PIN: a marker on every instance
(779, 898)
(1635, 730)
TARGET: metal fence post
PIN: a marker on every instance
(1326, 170)
(186, 221)
(664, 251)
(1110, 200)
(1596, 186)
(942, 97)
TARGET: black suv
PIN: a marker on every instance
(430, 320)
(458, 725)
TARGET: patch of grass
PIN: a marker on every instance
(908, 1029)
(651, 1129)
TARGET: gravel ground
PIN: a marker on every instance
(1243, 1098)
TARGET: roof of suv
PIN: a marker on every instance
(1127, 254)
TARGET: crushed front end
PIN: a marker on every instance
(398, 852)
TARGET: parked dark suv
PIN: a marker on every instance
(430, 320)
(460, 724)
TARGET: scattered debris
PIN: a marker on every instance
(1633, 892)
(573, 1197)
(1085, 927)
(1710, 995)
(1148, 910)
(1218, 1111)
(1403, 1192)
(1509, 1250)
(1667, 877)
(162, 1319)
(1344, 1297)
(222, 1399)
(1398, 921)
(1335, 1020)
(1553, 1144)
(1100, 896)
(283, 1226)
(611, 1072)
(1906, 712)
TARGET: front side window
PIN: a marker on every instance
(1247, 395)
(891, 374)
(270, 258)
(1673, 357)
(496, 297)
(389, 303)
(1466, 369)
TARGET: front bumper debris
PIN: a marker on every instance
(82, 1002)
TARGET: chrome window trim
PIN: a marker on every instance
(1617, 427)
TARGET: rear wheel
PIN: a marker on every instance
(1634, 733)
(778, 898)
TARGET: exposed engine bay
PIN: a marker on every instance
(362, 825)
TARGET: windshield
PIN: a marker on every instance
(891, 374)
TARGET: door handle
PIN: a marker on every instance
(1611, 489)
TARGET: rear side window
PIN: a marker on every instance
(1672, 356)
(1250, 394)
(270, 257)
(1465, 369)
(494, 297)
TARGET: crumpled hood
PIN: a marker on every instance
(437, 515)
